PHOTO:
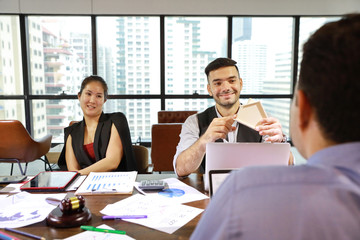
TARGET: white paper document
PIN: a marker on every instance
(91, 235)
(24, 208)
(176, 192)
(108, 183)
(76, 184)
(14, 187)
(161, 214)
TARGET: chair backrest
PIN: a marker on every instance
(165, 137)
(18, 144)
(142, 158)
(174, 116)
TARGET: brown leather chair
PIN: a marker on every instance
(165, 137)
(174, 116)
(142, 159)
(17, 146)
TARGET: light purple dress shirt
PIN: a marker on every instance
(318, 200)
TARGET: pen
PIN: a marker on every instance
(24, 233)
(4, 236)
(91, 228)
(123, 217)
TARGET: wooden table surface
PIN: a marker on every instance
(97, 202)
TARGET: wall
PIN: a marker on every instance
(182, 7)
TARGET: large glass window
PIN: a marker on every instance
(262, 48)
(60, 52)
(190, 44)
(140, 113)
(308, 25)
(10, 57)
(12, 110)
(280, 109)
(188, 104)
(129, 52)
(53, 115)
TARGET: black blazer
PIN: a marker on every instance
(101, 141)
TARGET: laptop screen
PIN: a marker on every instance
(216, 178)
(220, 156)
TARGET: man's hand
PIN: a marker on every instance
(190, 159)
(271, 128)
(218, 128)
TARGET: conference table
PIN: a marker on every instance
(95, 203)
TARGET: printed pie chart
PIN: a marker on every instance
(172, 192)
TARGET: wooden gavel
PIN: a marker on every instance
(72, 205)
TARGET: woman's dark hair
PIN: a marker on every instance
(330, 78)
(94, 78)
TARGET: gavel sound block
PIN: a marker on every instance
(71, 212)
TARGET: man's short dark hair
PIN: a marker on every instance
(219, 63)
(330, 78)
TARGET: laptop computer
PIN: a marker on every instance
(216, 178)
(225, 156)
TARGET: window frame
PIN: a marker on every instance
(27, 97)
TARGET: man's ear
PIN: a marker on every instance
(305, 110)
(209, 90)
(241, 84)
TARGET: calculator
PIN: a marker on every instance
(152, 185)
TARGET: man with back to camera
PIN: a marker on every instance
(318, 200)
(217, 123)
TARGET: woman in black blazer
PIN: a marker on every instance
(100, 142)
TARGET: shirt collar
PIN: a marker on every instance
(219, 115)
(344, 155)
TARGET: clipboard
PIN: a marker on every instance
(108, 183)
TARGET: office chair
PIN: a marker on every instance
(17, 146)
(142, 159)
(165, 137)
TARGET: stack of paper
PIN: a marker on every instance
(164, 210)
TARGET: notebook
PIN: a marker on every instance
(224, 156)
